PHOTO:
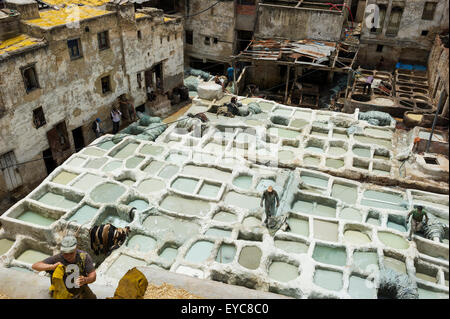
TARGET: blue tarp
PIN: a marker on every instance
(410, 67)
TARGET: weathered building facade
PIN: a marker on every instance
(405, 32)
(62, 69)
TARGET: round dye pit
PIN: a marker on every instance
(226, 254)
(356, 237)
(141, 243)
(107, 193)
(250, 257)
(199, 252)
(243, 181)
(393, 240)
(283, 272)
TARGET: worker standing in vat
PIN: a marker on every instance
(70, 258)
(368, 85)
(417, 220)
(270, 196)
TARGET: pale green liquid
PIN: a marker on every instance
(107, 145)
(31, 256)
(87, 181)
(330, 255)
(356, 237)
(251, 222)
(331, 280)
(291, 246)
(283, 272)
(5, 245)
(168, 171)
(340, 136)
(93, 152)
(334, 163)
(396, 226)
(169, 254)
(199, 252)
(126, 151)
(349, 213)
(378, 204)
(76, 162)
(139, 204)
(55, 200)
(141, 243)
(107, 193)
(84, 214)
(283, 112)
(64, 178)
(325, 230)
(315, 181)
(373, 221)
(35, 218)
(226, 254)
(209, 190)
(347, 194)
(336, 151)
(176, 158)
(314, 149)
(361, 152)
(116, 221)
(394, 264)
(298, 226)
(243, 181)
(242, 201)
(358, 289)
(185, 205)
(265, 106)
(225, 217)
(285, 155)
(127, 182)
(299, 123)
(183, 184)
(250, 257)
(163, 226)
(152, 150)
(426, 277)
(363, 260)
(393, 240)
(429, 294)
(96, 163)
(217, 232)
(133, 162)
(112, 166)
(151, 186)
(303, 115)
(311, 161)
(153, 167)
(206, 172)
(283, 133)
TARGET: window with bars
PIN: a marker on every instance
(103, 40)
(74, 46)
(428, 10)
(30, 78)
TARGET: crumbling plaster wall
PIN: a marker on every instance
(438, 74)
(298, 23)
(217, 22)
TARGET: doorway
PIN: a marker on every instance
(50, 163)
(78, 139)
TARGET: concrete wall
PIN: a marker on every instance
(215, 23)
(70, 90)
(299, 23)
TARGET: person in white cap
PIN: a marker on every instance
(70, 255)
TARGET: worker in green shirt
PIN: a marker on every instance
(417, 220)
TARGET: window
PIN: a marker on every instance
(38, 117)
(429, 10)
(424, 32)
(74, 48)
(103, 40)
(189, 37)
(394, 22)
(379, 48)
(168, 38)
(139, 35)
(106, 86)
(207, 41)
(30, 78)
(215, 40)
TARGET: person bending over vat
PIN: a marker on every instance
(269, 197)
(417, 220)
(79, 261)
